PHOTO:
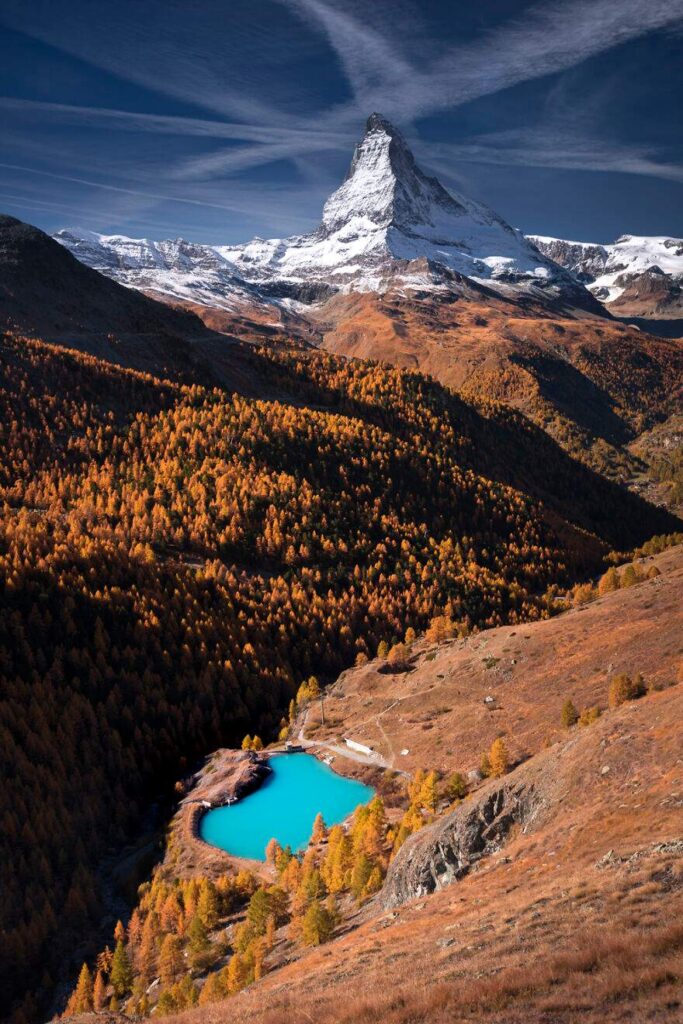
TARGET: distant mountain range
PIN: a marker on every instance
(45, 292)
(635, 276)
(401, 271)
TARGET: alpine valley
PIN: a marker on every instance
(401, 271)
(403, 494)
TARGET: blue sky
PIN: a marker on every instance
(219, 120)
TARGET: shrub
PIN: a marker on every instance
(589, 715)
(570, 715)
(623, 688)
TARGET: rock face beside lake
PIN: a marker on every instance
(531, 799)
(445, 851)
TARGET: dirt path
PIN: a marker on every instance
(374, 760)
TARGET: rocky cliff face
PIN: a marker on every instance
(445, 851)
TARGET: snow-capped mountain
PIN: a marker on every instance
(174, 268)
(387, 226)
(636, 273)
(386, 215)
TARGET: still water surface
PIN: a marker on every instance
(284, 807)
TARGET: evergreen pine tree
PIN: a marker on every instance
(121, 970)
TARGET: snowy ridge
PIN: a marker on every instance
(179, 269)
(387, 226)
(608, 270)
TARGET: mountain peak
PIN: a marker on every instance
(387, 222)
(377, 123)
(384, 186)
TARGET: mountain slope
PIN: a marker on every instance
(592, 384)
(552, 893)
(635, 276)
(46, 292)
(187, 557)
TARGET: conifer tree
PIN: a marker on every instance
(429, 795)
(317, 924)
(170, 959)
(146, 955)
(609, 581)
(207, 907)
(319, 830)
(360, 874)
(99, 992)
(570, 715)
(198, 944)
(214, 989)
(374, 882)
(499, 759)
(259, 911)
(399, 657)
(121, 970)
(273, 851)
(82, 998)
(238, 975)
(456, 787)
(185, 993)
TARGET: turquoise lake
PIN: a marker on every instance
(284, 807)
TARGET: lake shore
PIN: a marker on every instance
(226, 775)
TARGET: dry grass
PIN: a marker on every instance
(602, 977)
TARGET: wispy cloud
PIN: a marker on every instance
(370, 61)
(549, 38)
(244, 105)
(164, 124)
(551, 147)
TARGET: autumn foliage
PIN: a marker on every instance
(176, 561)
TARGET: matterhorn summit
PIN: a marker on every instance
(389, 226)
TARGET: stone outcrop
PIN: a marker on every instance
(445, 851)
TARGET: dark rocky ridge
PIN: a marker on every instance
(46, 292)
